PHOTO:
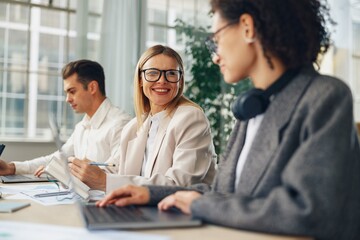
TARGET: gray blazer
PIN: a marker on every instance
(302, 173)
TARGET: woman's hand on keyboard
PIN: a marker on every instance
(127, 195)
(181, 200)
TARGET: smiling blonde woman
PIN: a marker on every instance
(169, 142)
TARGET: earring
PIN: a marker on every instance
(249, 40)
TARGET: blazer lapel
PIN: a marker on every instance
(269, 133)
(136, 149)
(160, 135)
(225, 182)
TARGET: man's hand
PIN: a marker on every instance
(125, 196)
(6, 168)
(93, 176)
(180, 199)
(39, 171)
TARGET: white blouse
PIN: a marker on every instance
(252, 128)
(154, 126)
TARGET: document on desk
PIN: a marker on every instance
(18, 188)
(45, 194)
(54, 197)
(9, 230)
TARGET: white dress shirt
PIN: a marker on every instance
(251, 130)
(95, 138)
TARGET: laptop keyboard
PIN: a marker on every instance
(113, 213)
(25, 177)
(17, 177)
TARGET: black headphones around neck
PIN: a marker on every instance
(255, 101)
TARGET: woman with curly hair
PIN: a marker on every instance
(293, 159)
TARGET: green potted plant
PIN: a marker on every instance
(206, 86)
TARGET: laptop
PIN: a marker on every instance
(134, 217)
(24, 178)
(29, 178)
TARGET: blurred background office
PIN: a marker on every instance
(37, 37)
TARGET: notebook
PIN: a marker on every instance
(9, 207)
(134, 217)
(58, 168)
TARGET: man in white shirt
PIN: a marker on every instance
(97, 136)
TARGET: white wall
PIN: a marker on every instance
(20, 151)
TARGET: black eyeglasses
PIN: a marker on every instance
(210, 42)
(154, 74)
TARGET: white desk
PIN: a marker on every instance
(69, 215)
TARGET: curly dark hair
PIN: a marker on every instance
(295, 31)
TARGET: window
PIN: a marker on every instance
(37, 37)
(355, 55)
(355, 83)
(162, 14)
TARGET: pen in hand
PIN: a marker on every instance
(98, 164)
(102, 164)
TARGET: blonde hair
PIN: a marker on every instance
(141, 102)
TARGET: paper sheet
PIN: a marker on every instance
(70, 198)
(27, 191)
(18, 188)
(10, 231)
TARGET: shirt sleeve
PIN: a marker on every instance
(114, 140)
(30, 166)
